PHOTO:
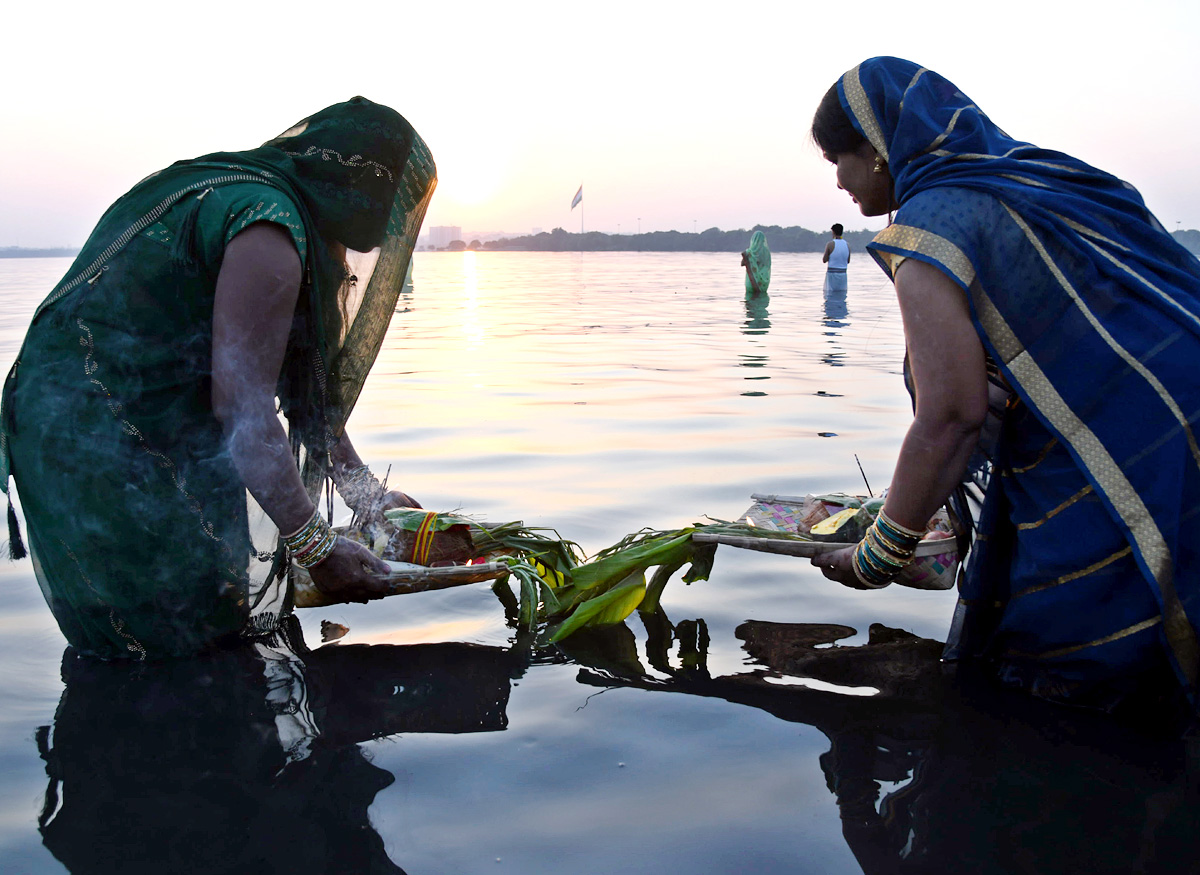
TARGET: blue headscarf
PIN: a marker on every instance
(1084, 301)
(931, 134)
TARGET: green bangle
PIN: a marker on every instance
(312, 543)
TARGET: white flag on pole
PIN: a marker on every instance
(578, 197)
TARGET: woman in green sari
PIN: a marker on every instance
(756, 258)
(141, 420)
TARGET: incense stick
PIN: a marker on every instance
(864, 476)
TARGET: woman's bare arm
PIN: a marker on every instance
(256, 294)
(948, 368)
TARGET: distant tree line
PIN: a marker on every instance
(49, 252)
(790, 239)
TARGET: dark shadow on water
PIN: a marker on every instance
(247, 760)
(978, 779)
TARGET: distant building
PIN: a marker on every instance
(441, 236)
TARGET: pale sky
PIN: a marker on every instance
(672, 115)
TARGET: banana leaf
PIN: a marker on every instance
(556, 585)
(410, 519)
(634, 553)
(610, 607)
(556, 555)
(615, 566)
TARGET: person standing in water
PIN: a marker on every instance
(181, 397)
(1025, 273)
(756, 258)
(837, 257)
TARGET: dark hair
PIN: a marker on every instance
(836, 228)
(832, 130)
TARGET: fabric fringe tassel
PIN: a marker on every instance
(16, 547)
(184, 252)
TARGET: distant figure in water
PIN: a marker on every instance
(1052, 329)
(165, 497)
(837, 257)
(757, 261)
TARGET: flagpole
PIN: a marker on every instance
(577, 201)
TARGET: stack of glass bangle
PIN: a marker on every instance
(884, 552)
(312, 543)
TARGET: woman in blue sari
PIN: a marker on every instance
(1052, 277)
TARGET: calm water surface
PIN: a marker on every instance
(596, 394)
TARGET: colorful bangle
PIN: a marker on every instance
(885, 551)
(312, 543)
(868, 577)
(898, 533)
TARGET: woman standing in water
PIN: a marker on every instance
(1052, 278)
(140, 422)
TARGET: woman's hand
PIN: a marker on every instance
(351, 573)
(837, 565)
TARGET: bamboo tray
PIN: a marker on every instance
(404, 578)
(800, 546)
(935, 565)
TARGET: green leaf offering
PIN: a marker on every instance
(558, 587)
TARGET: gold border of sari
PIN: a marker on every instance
(1098, 463)
(860, 107)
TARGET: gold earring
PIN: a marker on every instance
(878, 164)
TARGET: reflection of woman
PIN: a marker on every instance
(1084, 582)
(248, 759)
(143, 403)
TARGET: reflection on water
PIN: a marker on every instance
(837, 316)
(756, 324)
(251, 759)
(758, 319)
(247, 760)
(977, 779)
(593, 393)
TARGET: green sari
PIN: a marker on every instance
(757, 261)
(144, 540)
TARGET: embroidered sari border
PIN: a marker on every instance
(1087, 490)
(1103, 470)
(1041, 457)
(907, 240)
(1129, 359)
(860, 108)
(1075, 575)
(1076, 648)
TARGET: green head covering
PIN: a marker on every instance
(757, 261)
(360, 176)
(348, 161)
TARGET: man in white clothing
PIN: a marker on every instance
(837, 257)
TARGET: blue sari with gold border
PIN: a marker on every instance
(1085, 579)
